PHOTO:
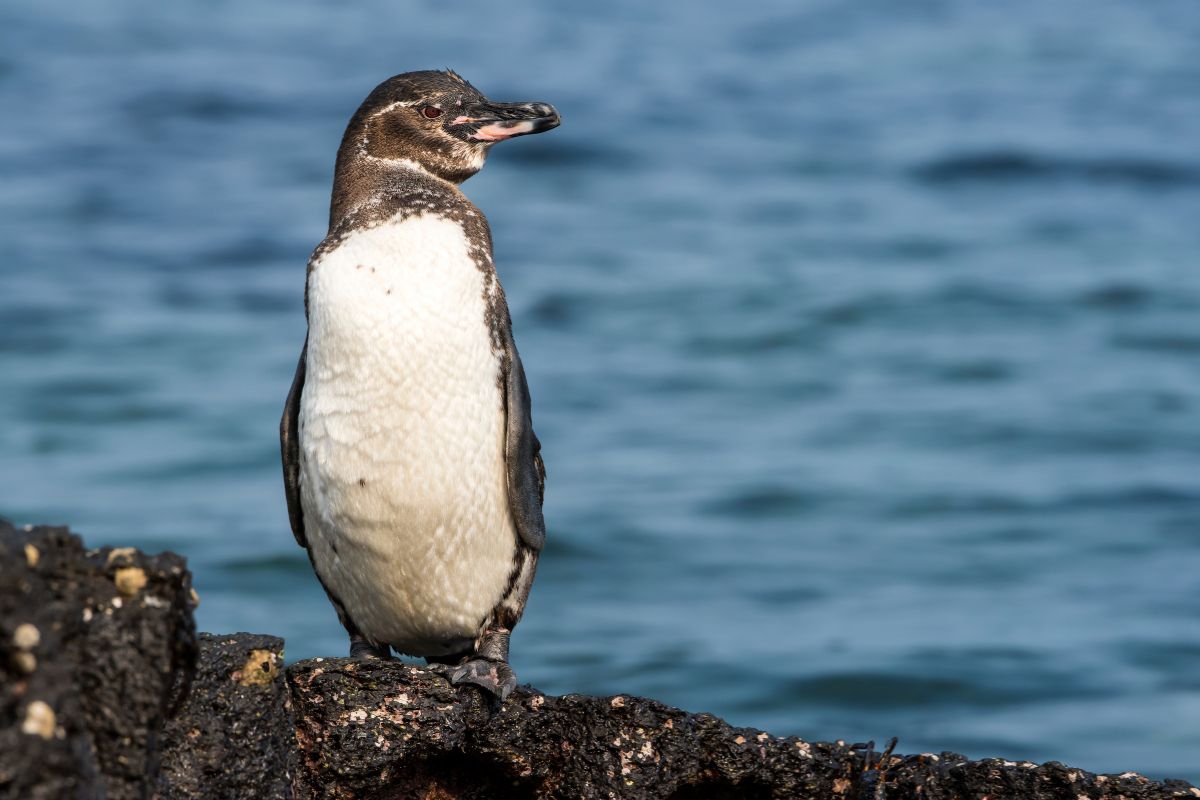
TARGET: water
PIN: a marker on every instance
(862, 339)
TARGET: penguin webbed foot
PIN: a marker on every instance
(363, 648)
(487, 667)
(494, 677)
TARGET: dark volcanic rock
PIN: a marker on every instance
(96, 646)
(384, 730)
(45, 747)
(234, 736)
(950, 776)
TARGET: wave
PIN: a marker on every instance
(1005, 165)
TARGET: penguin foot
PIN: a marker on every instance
(494, 677)
(362, 647)
(488, 667)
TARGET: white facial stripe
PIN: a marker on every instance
(394, 106)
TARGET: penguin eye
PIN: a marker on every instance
(431, 112)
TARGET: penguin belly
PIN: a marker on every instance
(401, 428)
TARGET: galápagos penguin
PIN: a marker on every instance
(412, 472)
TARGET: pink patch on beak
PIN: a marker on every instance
(498, 131)
(459, 120)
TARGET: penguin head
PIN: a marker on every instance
(439, 122)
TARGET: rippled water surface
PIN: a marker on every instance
(863, 338)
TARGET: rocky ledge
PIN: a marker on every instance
(107, 692)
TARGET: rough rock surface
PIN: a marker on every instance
(95, 646)
(385, 730)
(234, 735)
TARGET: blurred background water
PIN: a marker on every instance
(862, 338)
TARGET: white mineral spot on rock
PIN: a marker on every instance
(24, 662)
(87, 615)
(26, 636)
(740, 740)
(39, 720)
(31, 555)
(537, 702)
(116, 603)
(358, 715)
(618, 702)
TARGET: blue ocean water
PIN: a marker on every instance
(862, 338)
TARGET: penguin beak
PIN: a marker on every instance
(495, 122)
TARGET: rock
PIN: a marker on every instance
(90, 663)
(97, 649)
(45, 751)
(949, 775)
(384, 730)
(234, 735)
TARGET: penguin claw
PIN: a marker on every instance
(494, 677)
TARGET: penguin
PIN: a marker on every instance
(412, 473)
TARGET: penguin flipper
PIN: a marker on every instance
(289, 446)
(526, 472)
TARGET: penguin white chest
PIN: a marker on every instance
(401, 429)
